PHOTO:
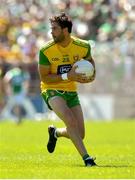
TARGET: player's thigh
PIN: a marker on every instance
(78, 115)
(59, 106)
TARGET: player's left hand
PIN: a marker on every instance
(85, 79)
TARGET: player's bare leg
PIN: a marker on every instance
(60, 107)
(77, 112)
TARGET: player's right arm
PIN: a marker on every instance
(46, 76)
(6, 81)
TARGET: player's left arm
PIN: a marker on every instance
(89, 58)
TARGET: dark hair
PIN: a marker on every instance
(63, 20)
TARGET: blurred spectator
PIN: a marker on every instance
(16, 82)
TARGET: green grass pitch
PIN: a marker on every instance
(23, 152)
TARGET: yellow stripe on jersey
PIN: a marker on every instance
(61, 60)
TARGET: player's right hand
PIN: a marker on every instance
(73, 76)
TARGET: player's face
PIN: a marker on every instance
(57, 33)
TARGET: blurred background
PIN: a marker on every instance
(109, 25)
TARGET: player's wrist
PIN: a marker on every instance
(64, 76)
(71, 76)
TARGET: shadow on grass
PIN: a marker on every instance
(107, 166)
(114, 166)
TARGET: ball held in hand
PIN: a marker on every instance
(85, 67)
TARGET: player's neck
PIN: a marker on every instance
(65, 42)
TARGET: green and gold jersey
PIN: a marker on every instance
(61, 60)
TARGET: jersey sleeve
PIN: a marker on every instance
(88, 51)
(43, 60)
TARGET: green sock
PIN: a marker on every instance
(86, 156)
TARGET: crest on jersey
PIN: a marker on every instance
(76, 57)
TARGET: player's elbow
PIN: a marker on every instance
(44, 79)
